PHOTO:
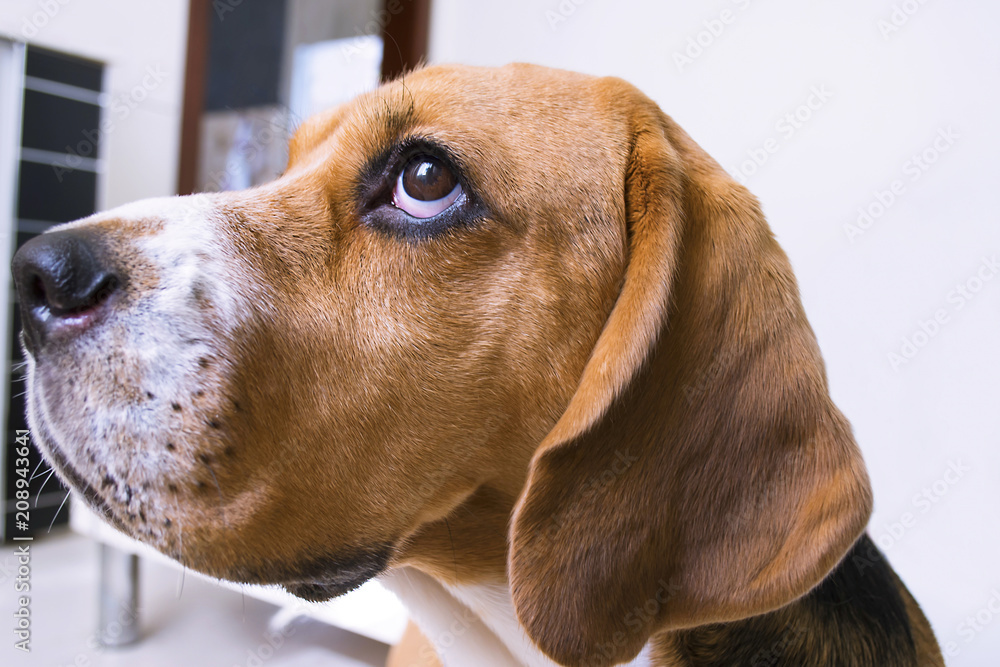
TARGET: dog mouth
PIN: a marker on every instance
(73, 477)
(327, 577)
(315, 576)
(315, 579)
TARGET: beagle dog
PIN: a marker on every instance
(507, 339)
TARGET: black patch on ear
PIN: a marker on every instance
(855, 618)
(865, 586)
(327, 577)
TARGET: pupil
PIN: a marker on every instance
(428, 171)
(427, 179)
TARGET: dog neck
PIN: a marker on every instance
(471, 624)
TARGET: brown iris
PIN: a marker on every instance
(427, 178)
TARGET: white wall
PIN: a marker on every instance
(310, 21)
(889, 96)
(143, 45)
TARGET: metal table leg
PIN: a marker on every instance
(118, 624)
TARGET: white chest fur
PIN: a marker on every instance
(471, 625)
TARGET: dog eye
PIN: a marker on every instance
(426, 186)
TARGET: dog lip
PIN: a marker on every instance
(69, 322)
(324, 578)
(76, 480)
(64, 325)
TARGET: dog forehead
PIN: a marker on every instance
(521, 104)
(527, 138)
(524, 86)
(515, 111)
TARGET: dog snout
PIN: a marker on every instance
(62, 282)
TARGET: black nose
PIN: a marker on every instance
(61, 281)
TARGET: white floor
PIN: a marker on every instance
(189, 623)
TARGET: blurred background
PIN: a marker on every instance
(866, 128)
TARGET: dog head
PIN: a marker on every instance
(519, 285)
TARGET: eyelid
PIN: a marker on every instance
(378, 178)
(413, 146)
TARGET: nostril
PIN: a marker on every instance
(61, 278)
(78, 298)
(36, 291)
(68, 294)
(105, 289)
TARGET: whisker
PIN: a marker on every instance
(454, 558)
(33, 475)
(222, 501)
(180, 584)
(180, 549)
(39, 494)
(56, 515)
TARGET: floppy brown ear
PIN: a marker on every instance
(700, 473)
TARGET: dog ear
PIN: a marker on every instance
(700, 473)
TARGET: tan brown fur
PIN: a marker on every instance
(603, 391)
